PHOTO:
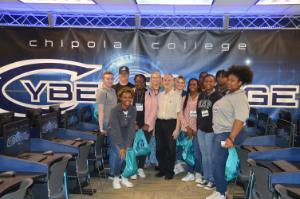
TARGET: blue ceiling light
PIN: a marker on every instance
(60, 1)
(176, 2)
(278, 2)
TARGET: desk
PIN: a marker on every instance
(39, 157)
(69, 142)
(10, 183)
(285, 166)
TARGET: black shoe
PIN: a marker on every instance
(160, 174)
(169, 177)
(156, 168)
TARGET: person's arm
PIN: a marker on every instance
(101, 117)
(178, 120)
(236, 128)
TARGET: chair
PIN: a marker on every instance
(261, 184)
(56, 179)
(282, 192)
(21, 191)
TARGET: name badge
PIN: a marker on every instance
(205, 113)
(193, 113)
(139, 107)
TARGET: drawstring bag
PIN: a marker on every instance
(131, 164)
(232, 164)
(188, 151)
(140, 144)
(180, 139)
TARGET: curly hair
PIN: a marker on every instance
(243, 73)
(125, 90)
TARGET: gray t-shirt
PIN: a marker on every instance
(107, 97)
(233, 106)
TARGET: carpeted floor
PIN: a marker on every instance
(150, 188)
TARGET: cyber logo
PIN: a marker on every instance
(17, 139)
(39, 83)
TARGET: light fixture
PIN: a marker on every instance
(278, 2)
(176, 2)
(60, 1)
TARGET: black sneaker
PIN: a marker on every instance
(169, 177)
(160, 174)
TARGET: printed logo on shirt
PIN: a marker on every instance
(204, 104)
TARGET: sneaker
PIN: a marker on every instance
(178, 168)
(202, 184)
(141, 173)
(189, 177)
(126, 183)
(134, 177)
(116, 183)
(216, 195)
(198, 178)
(209, 186)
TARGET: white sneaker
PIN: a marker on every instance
(116, 183)
(202, 183)
(189, 177)
(216, 195)
(126, 183)
(141, 173)
(134, 177)
(178, 168)
(209, 186)
(198, 177)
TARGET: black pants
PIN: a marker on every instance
(141, 159)
(165, 145)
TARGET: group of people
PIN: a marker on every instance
(211, 111)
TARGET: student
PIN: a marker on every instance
(229, 115)
(188, 119)
(201, 76)
(122, 131)
(106, 99)
(123, 79)
(167, 127)
(205, 134)
(221, 87)
(180, 85)
(139, 103)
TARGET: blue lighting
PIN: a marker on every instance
(148, 21)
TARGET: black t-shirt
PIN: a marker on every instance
(204, 110)
(139, 103)
(118, 87)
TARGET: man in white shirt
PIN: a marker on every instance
(167, 127)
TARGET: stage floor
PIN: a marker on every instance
(151, 188)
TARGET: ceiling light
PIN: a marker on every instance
(60, 1)
(176, 2)
(278, 2)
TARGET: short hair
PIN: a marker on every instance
(202, 73)
(125, 90)
(168, 74)
(155, 72)
(221, 72)
(140, 75)
(181, 77)
(243, 73)
(209, 75)
(107, 73)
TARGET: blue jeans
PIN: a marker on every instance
(197, 168)
(220, 155)
(205, 141)
(116, 163)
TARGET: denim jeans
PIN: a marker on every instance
(197, 168)
(220, 155)
(205, 141)
(116, 163)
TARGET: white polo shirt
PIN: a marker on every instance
(169, 105)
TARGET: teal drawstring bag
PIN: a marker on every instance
(232, 164)
(131, 164)
(140, 144)
(188, 151)
(180, 139)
